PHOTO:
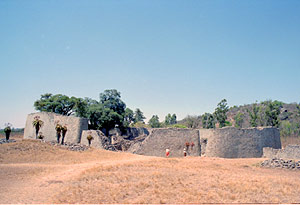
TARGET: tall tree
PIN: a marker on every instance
(154, 122)
(103, 118)
(208, 121)
(128, 117)
(221, 112)
(253, 113)
(170, 119)
(59, 103)
(111, 99)
(138, 116)
(239, 119)
(191, 121)
(272, 112)
(106, 114)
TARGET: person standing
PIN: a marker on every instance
(167, 152)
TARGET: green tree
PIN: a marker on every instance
(82, 106)
(128, 117)
(221, 113)
(191, 121)
(154, 122)
(239, 119)
(111, 99)
(208, 121)
(106, 114)
(59, 103)
(298, 110)
(253, 113)
(170, 119)
(101, 117)
(272, 112)
(138, 116)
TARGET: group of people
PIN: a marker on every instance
(168, 152)
(185, 150)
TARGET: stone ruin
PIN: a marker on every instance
(289, 152)
(75, 126)
(228, 142)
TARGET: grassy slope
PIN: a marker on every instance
(34, 172)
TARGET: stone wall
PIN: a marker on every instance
(75, 126)
(99, 139)
(173, 139)
(232, 142)
(289, 152)
(226, 142)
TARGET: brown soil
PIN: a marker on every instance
(35, 172)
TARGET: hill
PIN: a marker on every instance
(289, 118)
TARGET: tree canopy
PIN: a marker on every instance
(221, 112)
(107, 113)
(170, 119)
(59, 103)
(138, 116)
(154, 122)
(208, 121)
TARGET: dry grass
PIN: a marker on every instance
(35, 172)
(289, 140)
(189, 180)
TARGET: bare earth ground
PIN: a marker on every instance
(35, 172)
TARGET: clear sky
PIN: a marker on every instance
(164, 56)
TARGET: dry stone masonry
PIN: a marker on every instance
(70, 146)
(231, 142)
(281, 163)
(226, 142)
(289, 152)
(173, 139)
(75, 126)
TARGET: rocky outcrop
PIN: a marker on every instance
(131, 137)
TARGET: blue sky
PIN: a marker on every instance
(163, 56)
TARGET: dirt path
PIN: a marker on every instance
(38, 183)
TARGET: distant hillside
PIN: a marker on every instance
(289, 118)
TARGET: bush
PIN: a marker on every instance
(179, 126)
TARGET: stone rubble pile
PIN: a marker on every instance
(281, 163)
(3, 141)
(70, 146)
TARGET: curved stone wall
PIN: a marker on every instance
(232, 142)
(75, 126)
(226, 142)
